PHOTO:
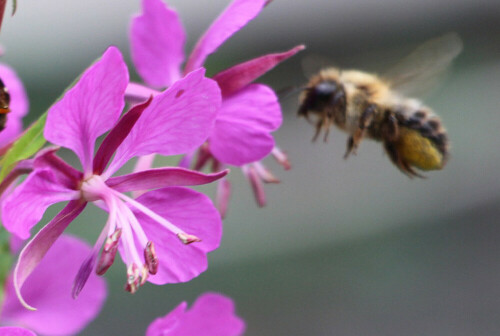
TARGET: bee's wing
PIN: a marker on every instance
(314, 63)
(425, 66)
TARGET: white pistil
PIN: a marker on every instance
(128, 241)
(134, 224)
(151, 214)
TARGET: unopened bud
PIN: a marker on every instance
(187, 238)
(151, 258)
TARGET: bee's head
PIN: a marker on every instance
(325, 98)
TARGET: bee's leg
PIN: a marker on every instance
(390, 128)
(390, 131)
(364, 122)
(350, 146)
(391, 149)
(327, 131)
(319, 126)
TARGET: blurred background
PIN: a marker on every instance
(343, 247)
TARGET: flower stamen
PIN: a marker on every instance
(108, 253)
(281, 157)
(187, 238)
(152, 261)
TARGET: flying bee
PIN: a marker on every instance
(4, 104)
(378, 107)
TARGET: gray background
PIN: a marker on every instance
(344, 247)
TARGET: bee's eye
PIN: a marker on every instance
(324, 90)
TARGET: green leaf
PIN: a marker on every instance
(6, 261)
(24, 147)
(14, 6)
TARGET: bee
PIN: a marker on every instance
(4, 104)
(378, 107)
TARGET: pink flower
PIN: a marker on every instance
(49, 288)
(15, 331)
(249, 112)
(149, 232)
(18, 105)
(211, 315)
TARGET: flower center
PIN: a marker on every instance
(94, 188)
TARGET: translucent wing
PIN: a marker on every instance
(421, 70)
(313, 63)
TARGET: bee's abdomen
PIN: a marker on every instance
(423, 141)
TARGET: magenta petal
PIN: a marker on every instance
(161, 177)
(242, 130)
(22, 209)
(238, 76)
(116, 137)
(15, 331)
(192, 212)
(164, 325)
(37, 247)
(90, 108)
(157, 43)
(49, 289)
(177, 121)
(211, 315)
(66, 175)
(234, 17)
(18, 104)
(137, 93)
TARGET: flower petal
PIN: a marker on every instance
(242, 129)
(22, 209)
(238, 76)
(90, 108)
(168, 323)
(160, 178)
(157, 43)
(211, 315)
(15, 331)
(66, 175)
(192, 212)
(116, 136)
(177, 120)
(49, 288)
(234, 17)
(37, 247)
(18, 104)
(137, 93)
